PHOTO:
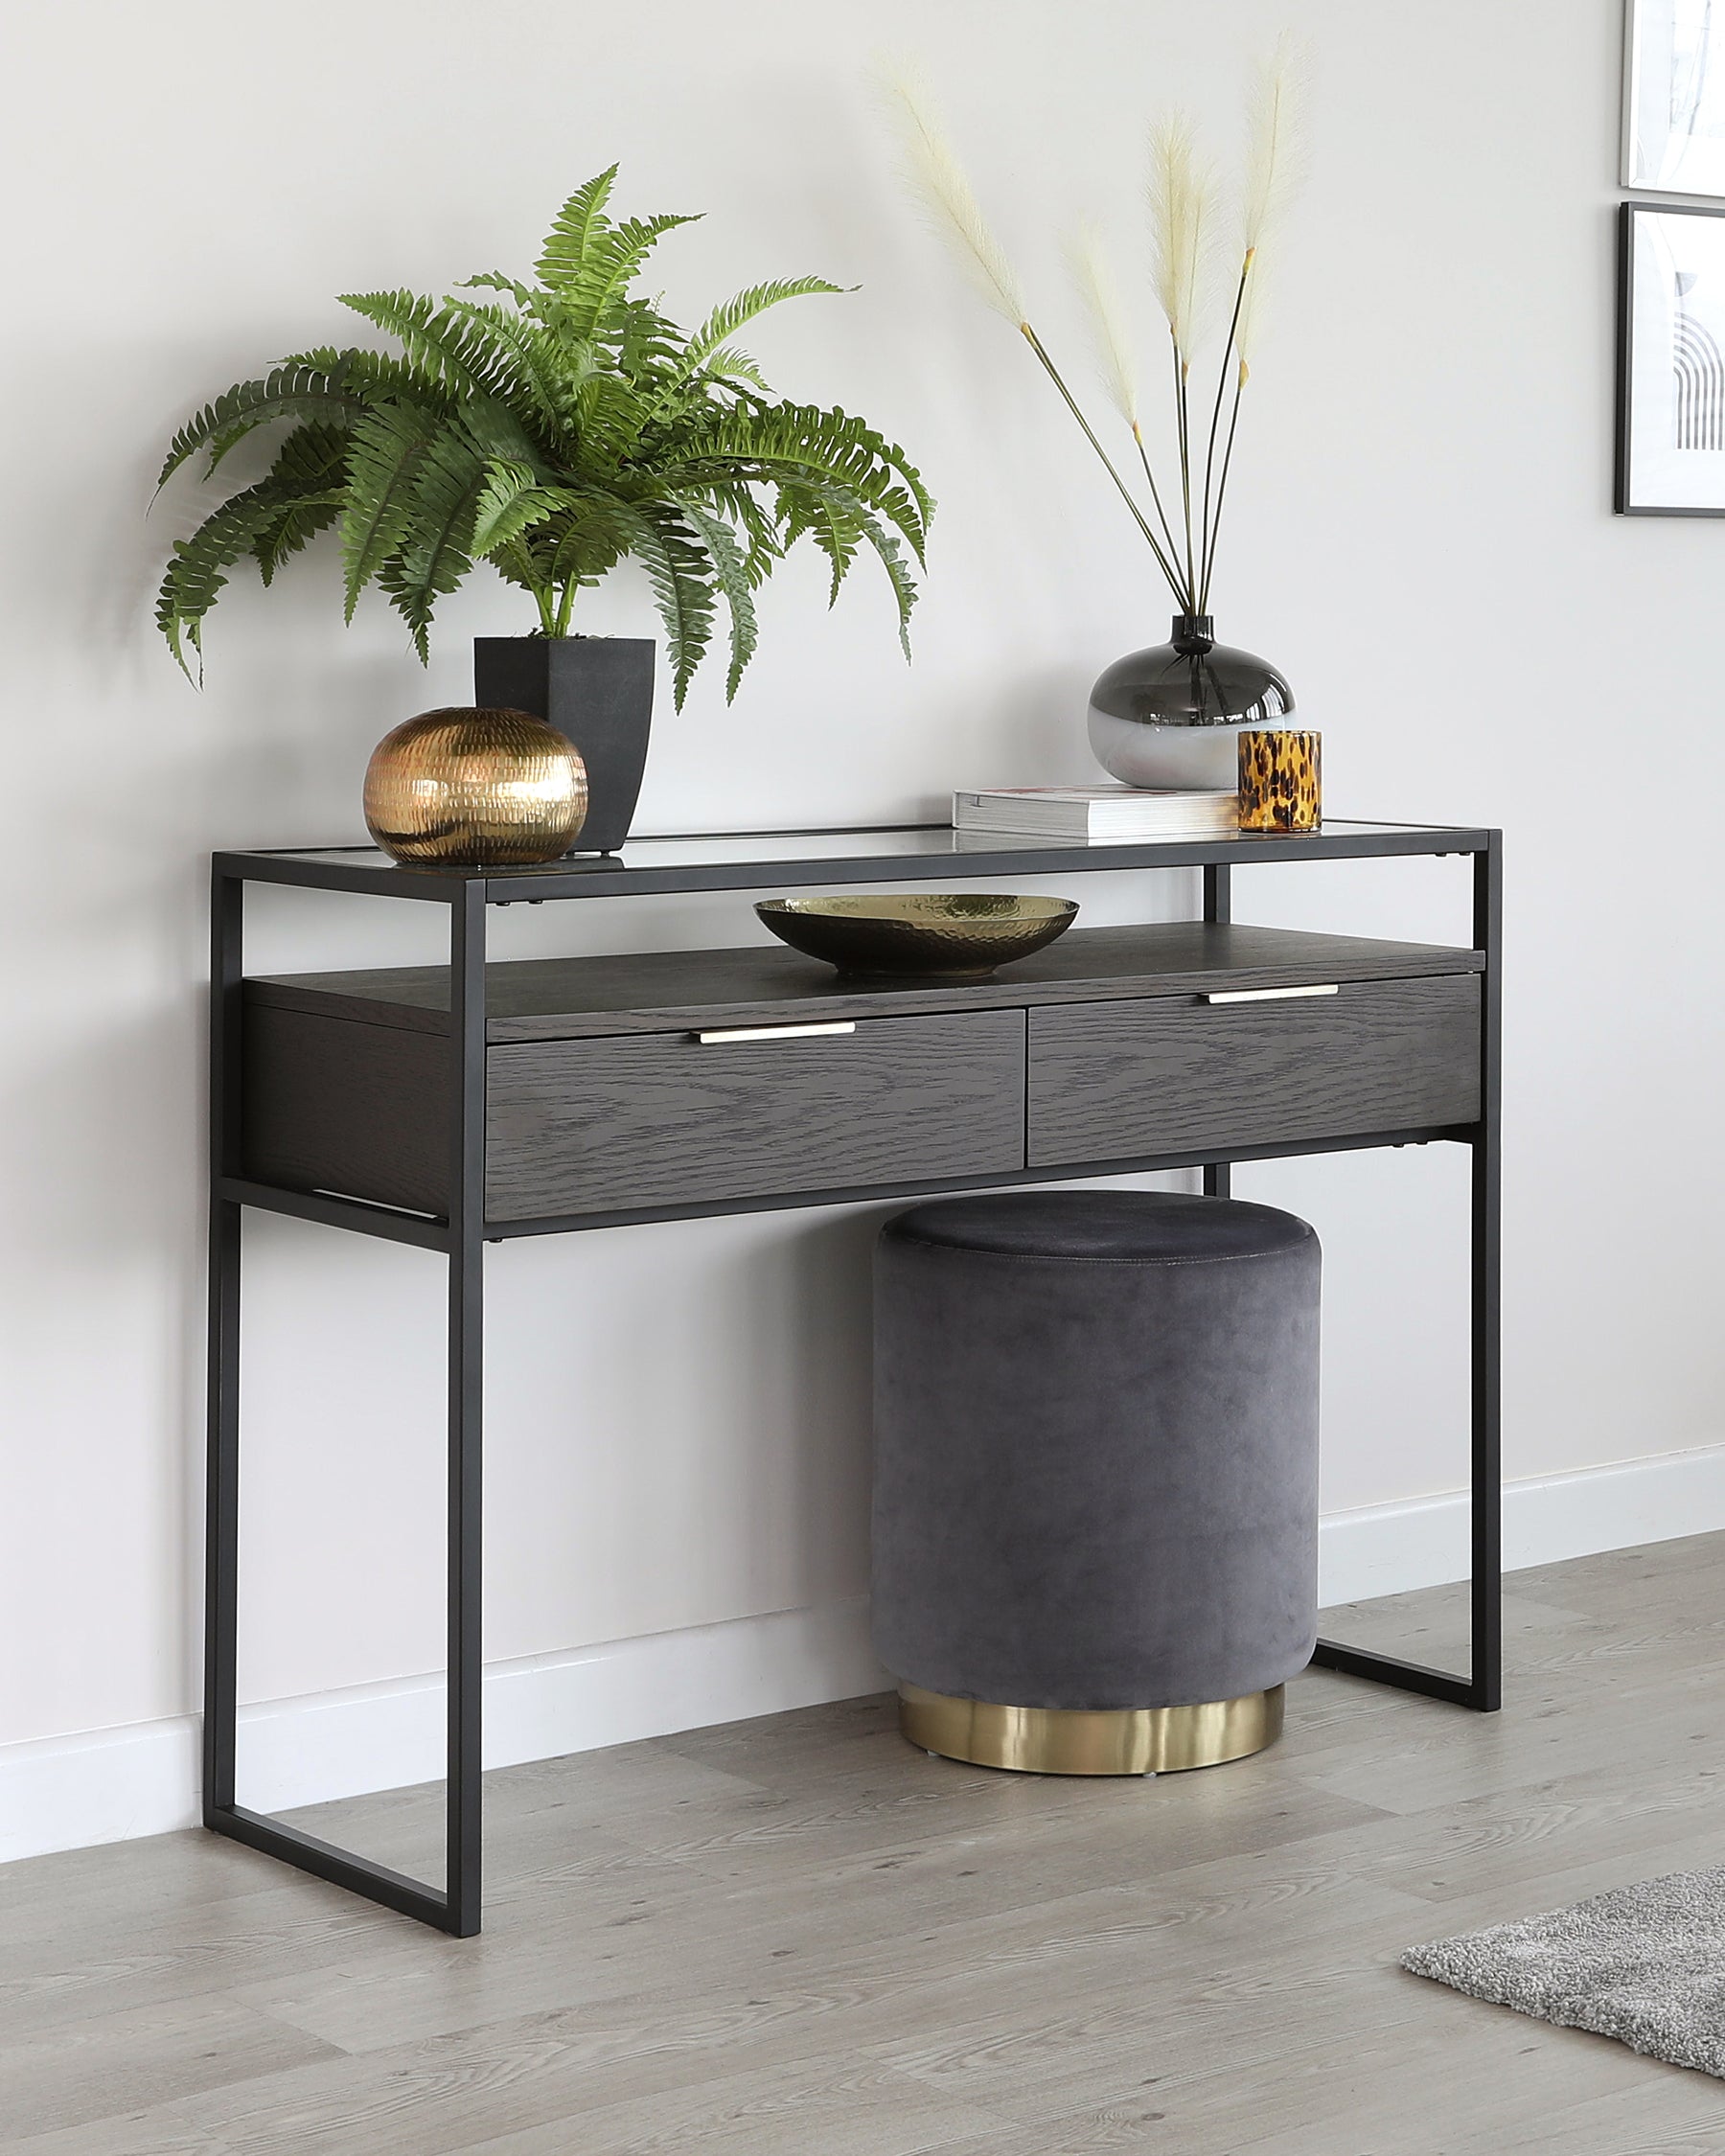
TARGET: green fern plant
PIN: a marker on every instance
(551, 429)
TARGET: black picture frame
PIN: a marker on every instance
(1632, 222)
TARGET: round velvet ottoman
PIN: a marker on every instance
(1095, 1508)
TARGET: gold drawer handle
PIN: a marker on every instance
(1268, 995)
(776, 1032)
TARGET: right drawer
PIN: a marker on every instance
(1176, 1073)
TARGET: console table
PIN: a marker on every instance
(452, 1105)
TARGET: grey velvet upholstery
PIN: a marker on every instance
(1095, 1448)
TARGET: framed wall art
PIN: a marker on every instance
(1671, 422)
(1675, 97)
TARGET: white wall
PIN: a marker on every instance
(1420, 534)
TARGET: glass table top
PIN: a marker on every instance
(696, 859)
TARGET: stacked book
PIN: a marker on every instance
(1097, 811)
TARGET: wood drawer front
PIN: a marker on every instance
(1170, 1074)
(584, 1126)
(362, 1110)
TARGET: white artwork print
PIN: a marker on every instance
(1675, 97)
(1677, 362)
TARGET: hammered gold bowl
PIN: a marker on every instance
(937, 936)
(475, 788)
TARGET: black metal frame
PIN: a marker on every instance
(455, 1908)
(1629, 217)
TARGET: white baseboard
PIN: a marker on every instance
(1393, 1548)
(71, 1792)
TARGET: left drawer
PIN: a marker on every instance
(667, 1119)
(359, 1111)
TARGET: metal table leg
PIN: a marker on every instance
(456, 1907)
(1483, 1687)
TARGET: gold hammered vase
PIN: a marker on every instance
(475, 788)
(1281, 780)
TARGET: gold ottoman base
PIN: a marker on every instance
(1122, 1740)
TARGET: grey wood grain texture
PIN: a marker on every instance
(1163, 1074)
(655, 991)
(794, 1936)
(347, 1086)
(360, 1110)
(579, 1125)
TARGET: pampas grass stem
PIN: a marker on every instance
(1089, 434)
(1274, 160)
(949, 202)
(1138, 435)
(1276, 163)
(1181, 197)
(1275, 150)
(1233, 422)
(1207, 528)
(1096, 284)
(1180, 204)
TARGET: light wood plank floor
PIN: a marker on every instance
(799, 1937)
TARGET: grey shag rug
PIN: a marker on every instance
(1645, 1964)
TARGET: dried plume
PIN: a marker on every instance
(1182, 199)
(1093, 273)
(1276, 161)
(949, 202)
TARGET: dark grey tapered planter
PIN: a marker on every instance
(595, 690)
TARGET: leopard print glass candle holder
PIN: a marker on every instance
(1281, 780)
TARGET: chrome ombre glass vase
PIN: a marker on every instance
(1170, 715)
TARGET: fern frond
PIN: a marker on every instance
(640, 342)
(732, 573)
(500, 280)
(724, 322)
(761, 526)
(289, 391)
(811, 509)
(679, 572)
(389, 445)
(593, 538)
(512, 504)
(517, 563)
(436, 552)
(587, 302)
(310, 471)
(434, 337)
(506, 486)
(838, 523)
(547, 372)
(494, 425)
(369, 375)
(296, 525)
(196, 570)
(610, 417)
(579, 222)
(729, 363)
(884, 542)
(793, 441)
